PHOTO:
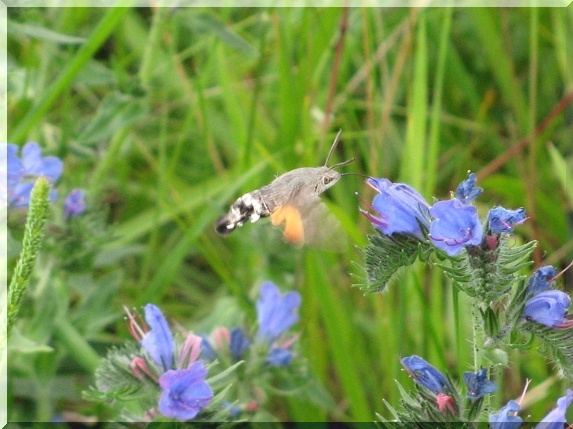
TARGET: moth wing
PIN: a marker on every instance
(309, 221)
(293, 231)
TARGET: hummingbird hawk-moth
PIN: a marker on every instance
(292, 198)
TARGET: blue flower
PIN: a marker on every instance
(208, 353)
(478, 385)
(75, 203)
(234, 411)
(502, 220)
(185, 392)
(276, 312)
(507, 417)
(279, 357)
(541, 280)
(22, 174)
(454, 226)
(426, 375)
(548, 308)
(13, 165)
(399, 208)
(239, 343)
(467, 191)
(158, 342)
(556, 418)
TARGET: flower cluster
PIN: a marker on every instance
(481, 261)
(269, 347)
(22, 172)
(447, 398)
(507, 418)
(276, 313)
(184, 391)
(544, 305)
(173, 369)
(450, 225)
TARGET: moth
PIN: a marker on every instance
(292, 198)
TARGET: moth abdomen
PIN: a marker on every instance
(250, 206)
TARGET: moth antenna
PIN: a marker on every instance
(333, 147)
(340, 164)
(355, 174)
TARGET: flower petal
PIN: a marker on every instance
(556, 417)
(541, 280)
(503, 220)
(399, 208)
(32, 159)
(158, 342)
(279, 357)
(506, 418)
(455, 226)
(478, 385)
(185, 392)
(75, 203)
(426, 375)
(467, 191)
(239, 343)
(548, 308)
(276, 312)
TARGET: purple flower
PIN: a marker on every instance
(234, 411)
(75, 203)
(454, 226)
(239, 343)
(13, 165)
(502, 220)
(541, 280)
(276, 312)
(467, 191)
(478, 385)
(158, 342)
(507, 417)
(208, 353)
(548, 308)
(185, 392)
(21, 175)
(556, 417)
(279, 357)
(399, 208)
(426, 375)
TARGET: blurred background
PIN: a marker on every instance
(166, 116)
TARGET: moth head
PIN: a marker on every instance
(326, 178)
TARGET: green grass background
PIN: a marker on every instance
(166, 116)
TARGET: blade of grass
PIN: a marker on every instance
(502, 68)
(338, 322)
(64, 81)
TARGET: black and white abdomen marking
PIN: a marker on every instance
(250, 206)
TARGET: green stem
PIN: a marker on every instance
(76, 345)
(33, 237)
(149, 57)
(43, 403)
(477, 340)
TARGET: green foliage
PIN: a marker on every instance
(489, 274)
(557, 342)
(385, 255)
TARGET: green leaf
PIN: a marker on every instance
(41, 33)
(385, 255)
(204, 23)
(21, 344)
